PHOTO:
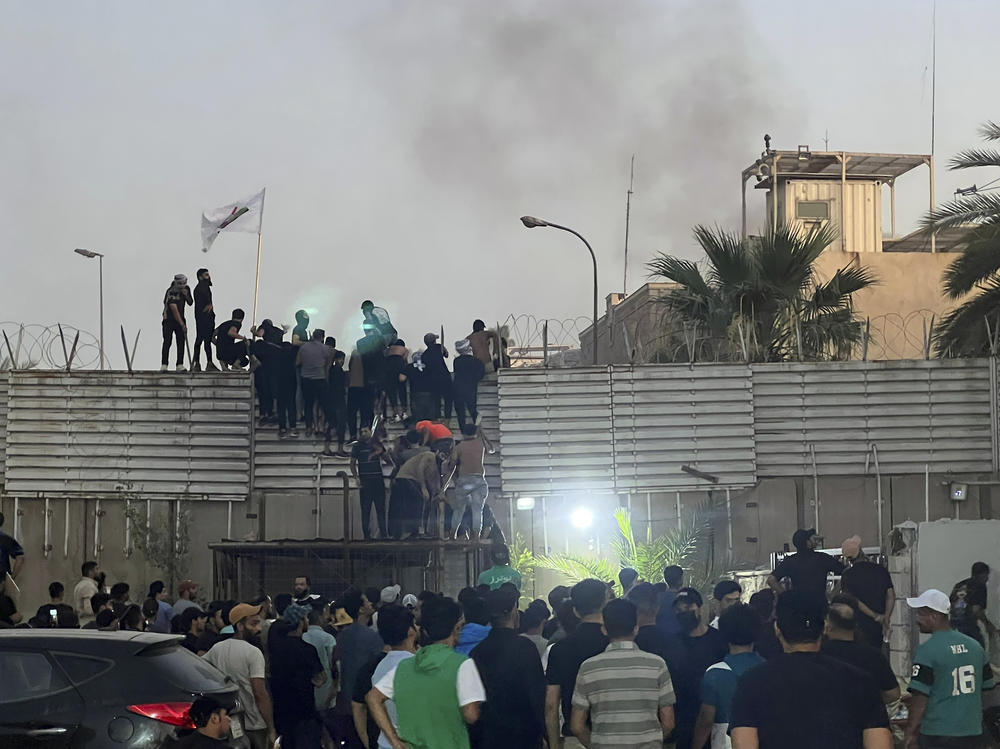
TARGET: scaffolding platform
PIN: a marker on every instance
(244, 570)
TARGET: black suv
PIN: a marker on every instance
(84, 688)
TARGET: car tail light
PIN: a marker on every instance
(172, 713)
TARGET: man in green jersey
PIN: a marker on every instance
(501, 572)
(950, 672)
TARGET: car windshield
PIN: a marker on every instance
(185, 670)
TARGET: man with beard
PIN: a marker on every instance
(204, 321)
(301, 589)
(90, 585)
(193, 626)
(698, 646)
(241, 659)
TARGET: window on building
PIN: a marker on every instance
(812, 209)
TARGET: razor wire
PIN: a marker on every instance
(36, 346)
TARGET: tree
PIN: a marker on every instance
(760, 299)
(686, 546)
(971, 328)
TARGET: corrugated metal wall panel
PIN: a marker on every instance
(915, 412)
(4, 380)
(93, 433)
(620, 428)
(555, 430)
(668, 417)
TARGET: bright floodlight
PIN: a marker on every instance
(531, 222)
(86, 253)
(581, 517)
(526, 503)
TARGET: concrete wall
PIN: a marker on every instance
(208, 522)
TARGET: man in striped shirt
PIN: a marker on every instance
(625, 692)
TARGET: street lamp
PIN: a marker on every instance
(100, 264)
(531, 223)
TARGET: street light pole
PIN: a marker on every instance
(531, 222)
(100, 265)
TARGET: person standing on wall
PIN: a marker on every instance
(204, 321)
(177, 295)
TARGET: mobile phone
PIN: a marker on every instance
(54, 613)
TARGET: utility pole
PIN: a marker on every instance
(628, 210)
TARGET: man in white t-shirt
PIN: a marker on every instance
(85, 590)
(399, 632)
(437, 691)
(240, 658)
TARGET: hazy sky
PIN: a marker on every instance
(399, 142)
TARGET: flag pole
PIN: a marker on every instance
(256, 283)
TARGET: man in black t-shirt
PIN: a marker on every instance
(871, 585)
(366, 467)
(204, 321)
(567, 655)
(231, 347)
(807, 568)
(839, 642)
(696, 648)
(805, 698)
(295, 671)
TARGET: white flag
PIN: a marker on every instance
(244, 215)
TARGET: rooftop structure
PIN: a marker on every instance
(843, 189)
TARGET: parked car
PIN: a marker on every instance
(86, 689)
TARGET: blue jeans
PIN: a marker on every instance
(471, 492)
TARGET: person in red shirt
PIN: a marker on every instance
(437, 436)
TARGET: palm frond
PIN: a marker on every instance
(837, 292)
(971, 158)
(576, 568)
(990, 130)
(978, 264)
(970, 209)
(963, 331)
(680, 271)
(731, 264)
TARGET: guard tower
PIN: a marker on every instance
(839, 188)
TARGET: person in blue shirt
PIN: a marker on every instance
(740, 625)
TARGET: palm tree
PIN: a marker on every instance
(685, 546)
(760, 299)
(969, 328)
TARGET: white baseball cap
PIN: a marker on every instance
(931, 599)
(410, 601)
(390, 593)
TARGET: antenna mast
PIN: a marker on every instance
(628, 209)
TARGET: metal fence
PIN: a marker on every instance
(691, 427)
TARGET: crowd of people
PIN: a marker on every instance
(640, 664)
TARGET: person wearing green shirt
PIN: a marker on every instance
(950, 672)
(501, 572)
(436, 692)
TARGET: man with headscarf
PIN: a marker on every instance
(204, 322)
(469, 370)
(871, 585)
(300, 333)
(174, 326)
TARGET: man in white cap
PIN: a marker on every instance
(950, 672)
(174, 326)
(389, 595)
